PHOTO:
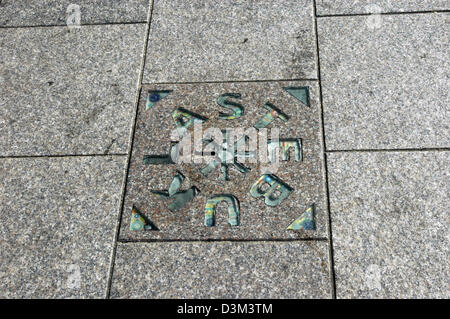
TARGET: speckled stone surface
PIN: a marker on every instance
(257, 220)
(222, 270)
(54, 12)
(57, 225)
(68, 91)
(385, 87)
(325, 7)
(231, 40)
(390, 219)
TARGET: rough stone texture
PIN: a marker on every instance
(385, 87)
(231, 40)
(390, 224)
(58, 219)
(377, 6)
(68, 92)
(257, 221)
(54, 12)
(222, 270)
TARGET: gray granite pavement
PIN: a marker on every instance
(222, 270)
(231, 40)
(338, 7)
(60, 12)
(83, 101)
(57, 225)
(68, 91)
(390, 215)
(385, 83)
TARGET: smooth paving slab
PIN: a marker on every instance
(390, 224)
(385, 87)
(222, 270)
(331, 7)
(192, 41)
(68, 91)
(63, 12)
(260, 215)
(57, 225)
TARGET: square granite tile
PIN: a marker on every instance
(193, 41)
(57, 225)
(68, 91)
(222, 270)
(325, 7)
(155, 129)
(385, 87)
(390, 220)
(58, 12)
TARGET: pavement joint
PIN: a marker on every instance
(132, 132)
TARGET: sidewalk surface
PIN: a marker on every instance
(89, 91)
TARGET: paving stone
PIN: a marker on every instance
(385, 87)
(57, 225)
(68, 91)
(155, 129)
(58, 12)
(193, 41)
(390, 224)
(222, 270)
(325, 7)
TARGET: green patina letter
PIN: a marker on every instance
(275, 184)
(274, 112)
(233, 209)
(236, 108)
